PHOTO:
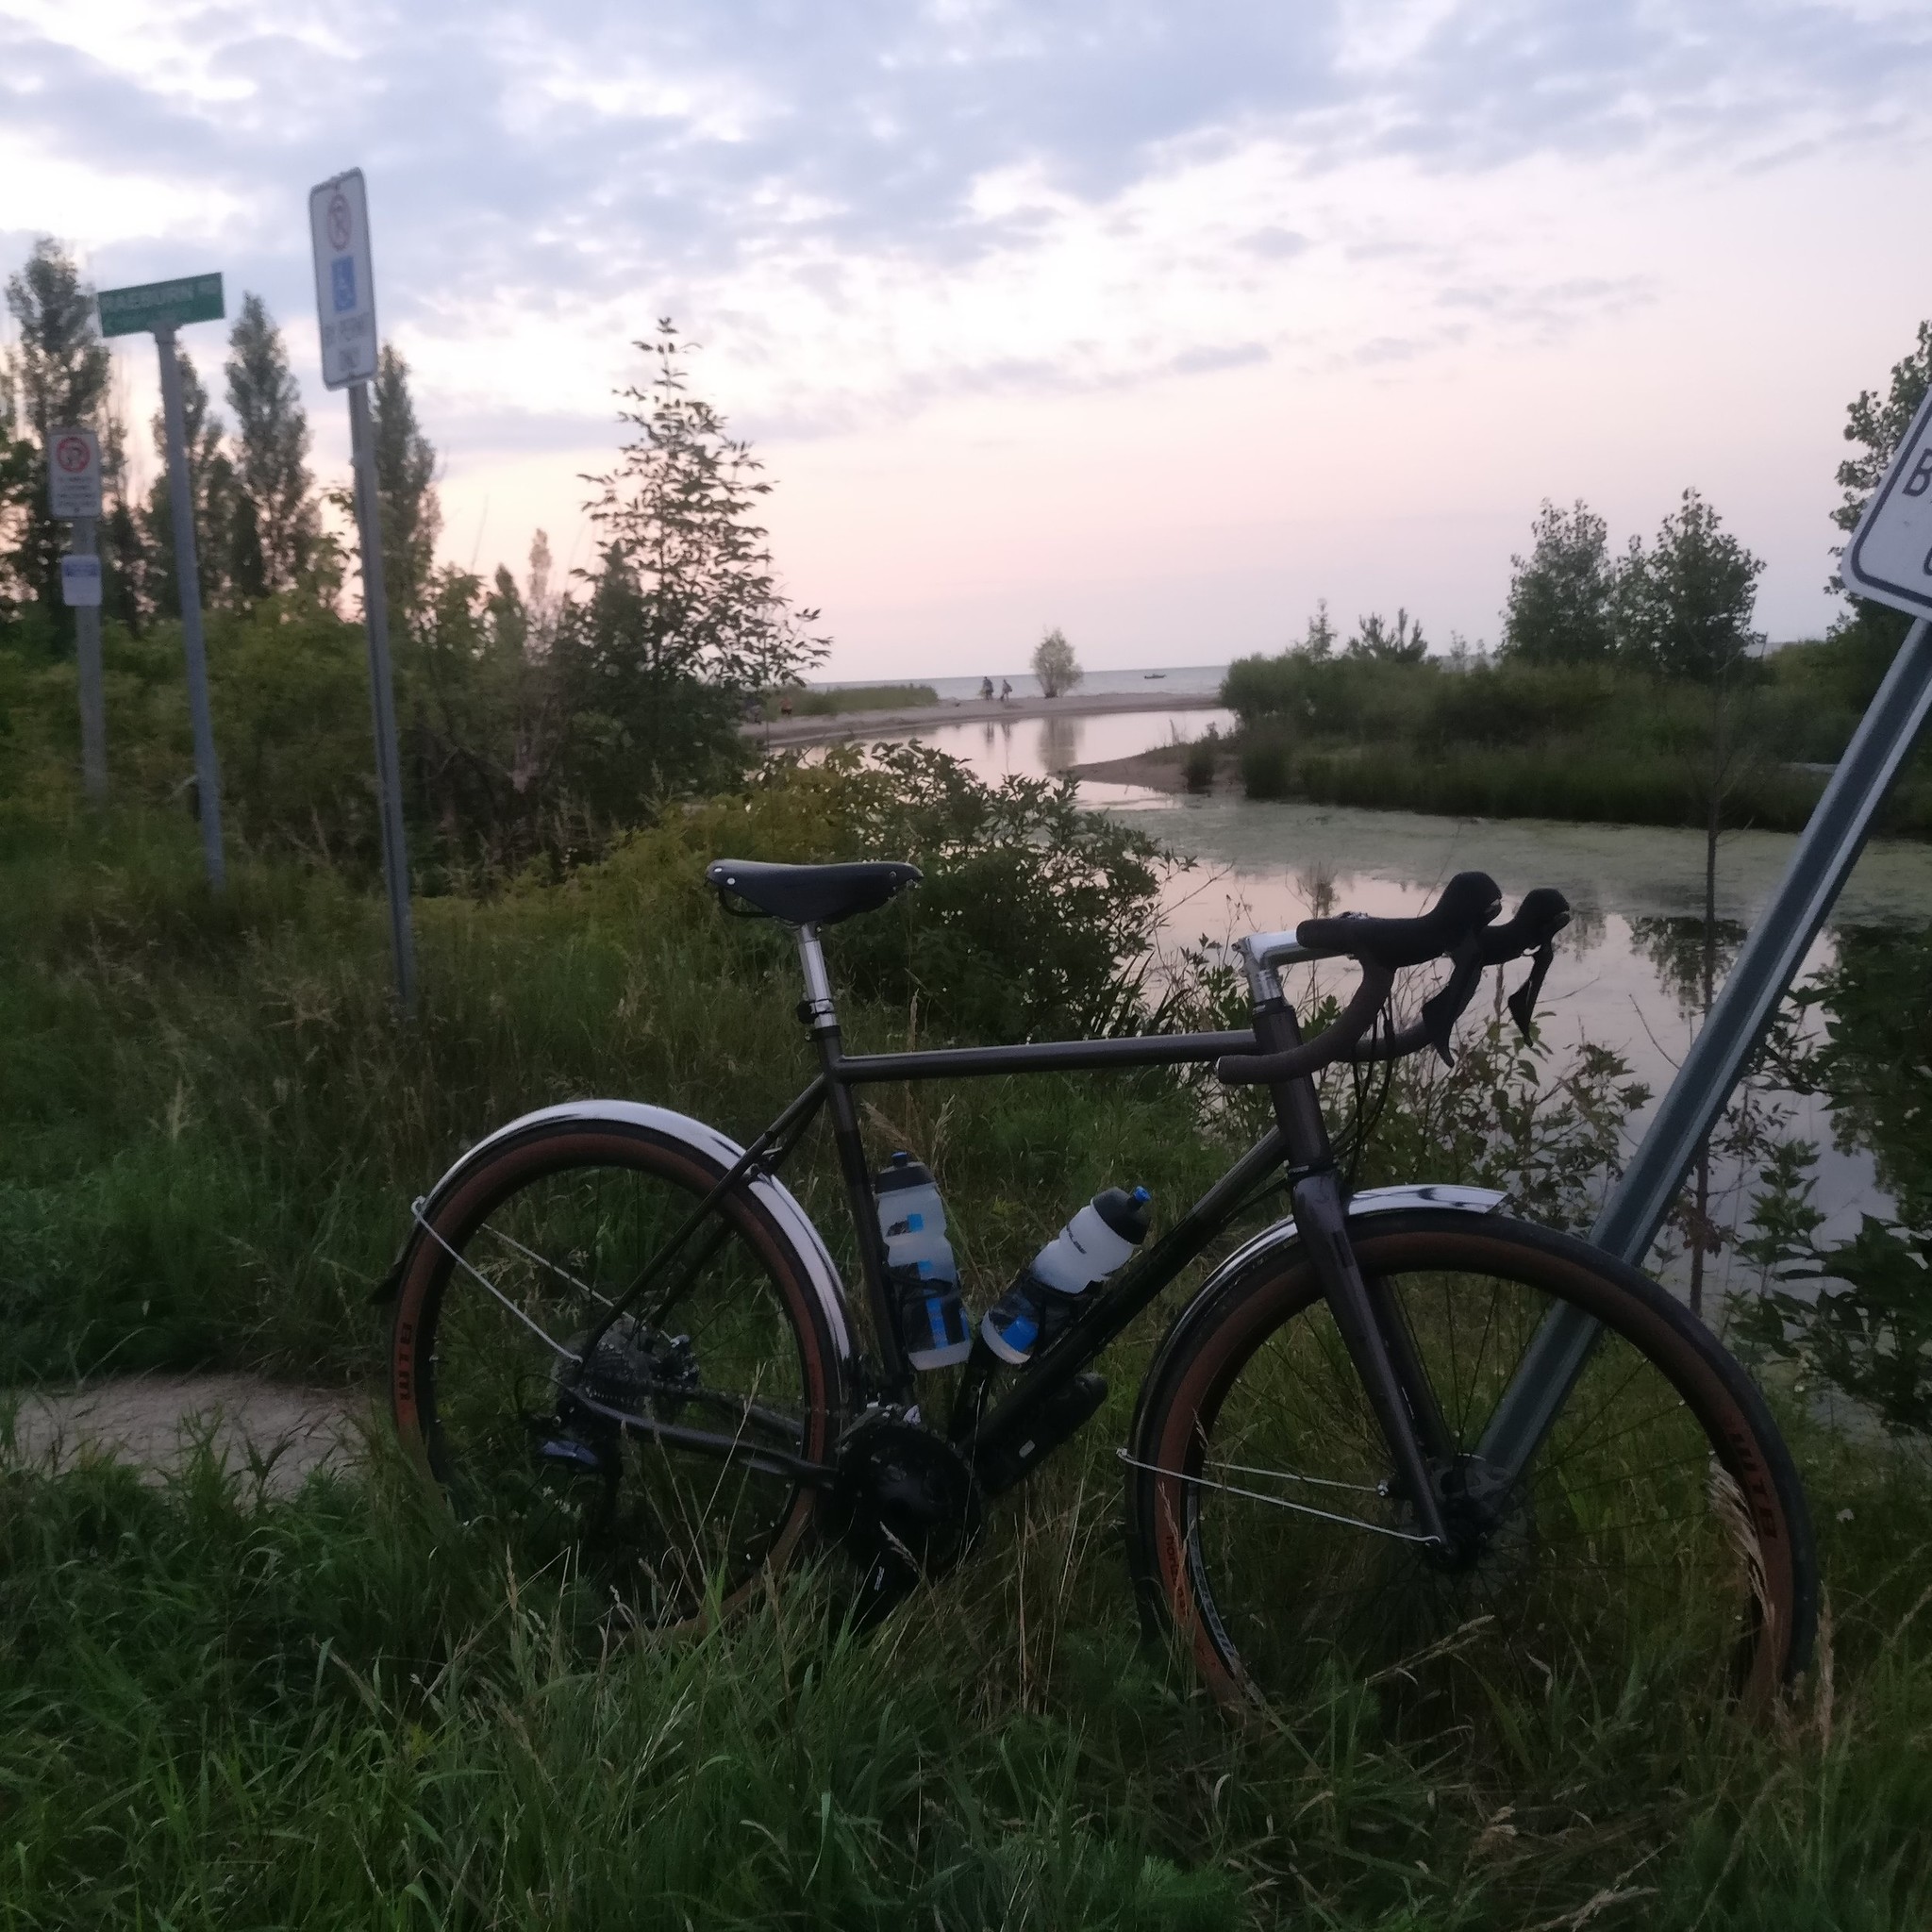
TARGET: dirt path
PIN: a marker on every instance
(789, 733)
(154, 1422)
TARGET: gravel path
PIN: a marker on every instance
(156, 1421)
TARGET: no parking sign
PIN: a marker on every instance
(74, 473)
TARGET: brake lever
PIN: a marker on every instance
(1443, 1008)
(1523, 1001)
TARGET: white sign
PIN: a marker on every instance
(80, 580)
(1890, 556)
(344, 280)
(74, 474)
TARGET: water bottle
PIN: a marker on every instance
(1045, 1297)
(918, 1258)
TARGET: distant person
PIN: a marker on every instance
(1005, 688)
(985, 690)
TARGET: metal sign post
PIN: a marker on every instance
(1889, 559)
(345, 308)
(74, 496)
(161, 307)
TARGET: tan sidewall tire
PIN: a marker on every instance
(1208, 1346)
(548, 1151)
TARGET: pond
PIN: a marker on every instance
(1637, 891)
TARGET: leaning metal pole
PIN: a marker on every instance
(1826, 849)
(382, 702)
(207, 781)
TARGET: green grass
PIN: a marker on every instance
(221, 1708)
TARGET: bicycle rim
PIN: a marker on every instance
(1656, 1546)
(493, 1358)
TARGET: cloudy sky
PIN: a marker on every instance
(1157, 321)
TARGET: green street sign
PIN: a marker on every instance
(161, 305)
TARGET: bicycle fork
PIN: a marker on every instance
(1372, 1328)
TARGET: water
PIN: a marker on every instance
(1267, 865)
(1039, 747)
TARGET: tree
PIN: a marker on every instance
(1684, 611)
(277, 525)
(1318, 640)
(1054, 665)
(1869, 638)
(212, 493)
(59, 371)
(1377, 643)
(685, 617)
(17, 471)
(404, 490)
(1562, 597)
(1877, 424)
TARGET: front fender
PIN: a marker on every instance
(1366, 1206)
(704, 1140)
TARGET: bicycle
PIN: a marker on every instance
(619, 1337)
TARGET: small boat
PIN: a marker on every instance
(1153, 674)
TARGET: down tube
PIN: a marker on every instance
(1826, 853)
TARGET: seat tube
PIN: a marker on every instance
(1321, 1220)
(822, 1016)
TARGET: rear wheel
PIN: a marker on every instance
(544, 1437)
(1659, 1539)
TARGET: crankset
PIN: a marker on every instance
(904, 1503)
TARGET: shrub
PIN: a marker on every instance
(1264, 756)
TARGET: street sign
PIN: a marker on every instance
(1890, 556)
(74, 474)
(161, 305)
(81, 582)
(344, 279)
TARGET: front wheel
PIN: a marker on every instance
(527, 1364)
(1659, 1539)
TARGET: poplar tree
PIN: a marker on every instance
(405, 491)
(277, 525)
(212, 493)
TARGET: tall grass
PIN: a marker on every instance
(221, 1709)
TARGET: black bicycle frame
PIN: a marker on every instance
(1298, 1141)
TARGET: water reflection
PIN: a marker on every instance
(1059, 743)
(1675, 946)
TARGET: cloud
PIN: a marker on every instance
(516, 149)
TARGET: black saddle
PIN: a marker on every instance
(811, 895)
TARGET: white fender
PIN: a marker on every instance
(1369, 1204)
(1361, 1206)
(708, 1145)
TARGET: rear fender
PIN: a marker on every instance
(704, 1142)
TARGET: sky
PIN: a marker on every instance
(1153, 322)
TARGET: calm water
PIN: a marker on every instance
(1267, 865)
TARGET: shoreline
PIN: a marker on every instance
(836, 728)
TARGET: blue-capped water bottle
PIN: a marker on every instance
(1046, 1296)
(925, 1279)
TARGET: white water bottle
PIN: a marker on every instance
(1095, 1242)
(1045, 1298)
